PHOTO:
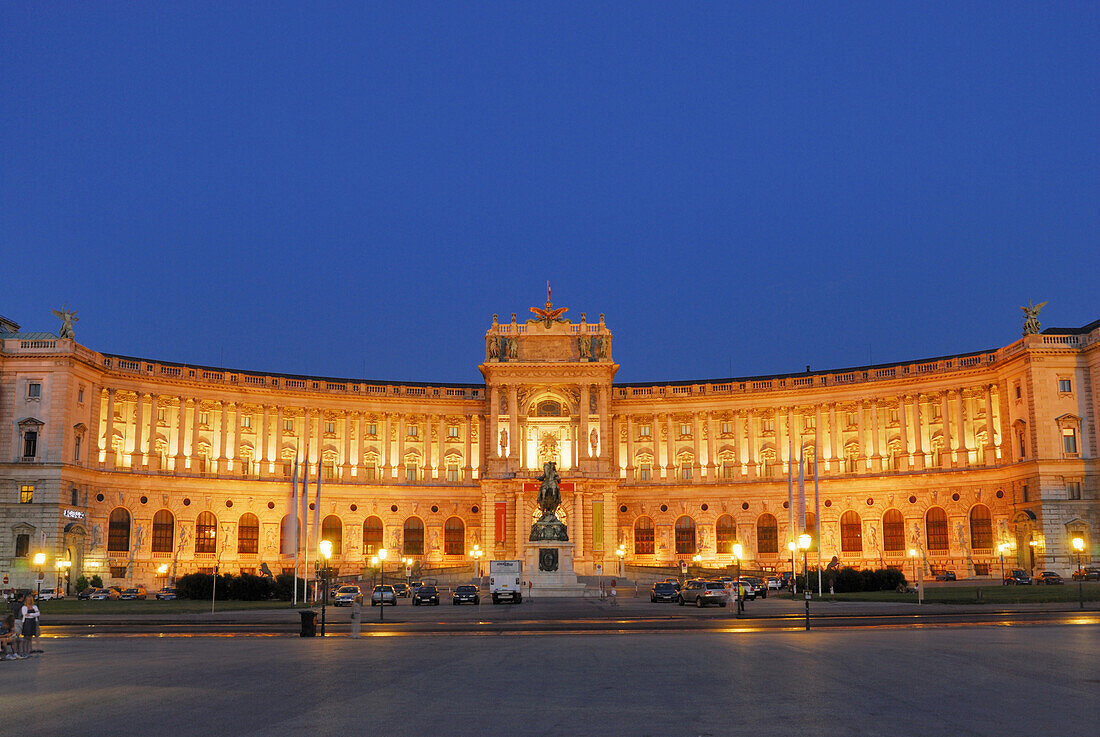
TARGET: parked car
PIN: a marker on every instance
(135, 592)
(674, 581)
(946, 576)
(168, 593)
(466, 592)
(775, 582)
(760, 589)
(1087, 574)
(426, 595)
(345, 595)
(663, 591)
(105, 595)
(383, 594)
(702, 593)
(48, 594)
(1017, 577)
(1050, 578)
(401, 589)
(86, 593)
(117, 590)
(414, 585)
(751, 591)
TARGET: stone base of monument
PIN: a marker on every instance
(548, 565)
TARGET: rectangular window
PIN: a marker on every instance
(893, 415)
(500, 519)
(685, 428)
(1024, 494)
(246, 421)
(597, 525)
(1069, 440)
(645, 472)
(727, 470)
(1017, 391)
(80, 395)
(1065, 386)
(330, 427)
(26, 493)
(452, 431)
(412, 431)
(1073, 489)
(981, 569)
(768, 425)
(329, 468)
(204, 418)
(288, 425)
(118, 571)
(727, 428)
(685, 472)
(368, 472)
(643, 431)
(160, 414)
(248, 539)
(452, 474)
(22, 546)
(851, 418)
(76, 447)
(30, 444)
(34, 390)
(410, 473)
(372, 429)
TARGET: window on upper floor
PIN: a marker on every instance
(410, 472)
(80, 395)
(685, 428)
(644, 431)
(34, 390)
(452, 474)
(372, 429)
(645, 472)
(1016, 386)
(727, 470)
(851, 418)
(22, 546)
(727, 428)
(77, 442)
(768, 425)
(30, 444)
(1069, 440)
(1073, 489)
(1065, 386)
(452, 431)
(160, 414)
(26, 493)
(1025, 497)
(412, 431)
(204, 418)
(330, 428)
(368, 472)
(246, 422)
(893, 415)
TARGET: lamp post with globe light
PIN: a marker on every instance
(325, 548)
(476, 554)
(621, 552)
(737, 552)
(382, 553)
(39, 561)
(804, 541)
(793, 546)
(1079, 547)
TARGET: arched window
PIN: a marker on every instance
(685, 536)
(936, 521)
(454, 537)
(981, 528)
(725, 534)
(164, 531)
(767, 534)
(414, 536)
(372, 535)
(288, 536)
(851, 533)
(643, 536)
(248, 534)
(893, 531)
(333, 531)
(118, 531)
(206, 533)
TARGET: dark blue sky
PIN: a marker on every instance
(350, 190)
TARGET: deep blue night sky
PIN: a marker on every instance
(349, 190)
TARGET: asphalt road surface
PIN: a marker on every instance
(998, 681)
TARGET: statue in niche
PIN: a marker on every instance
(269, 545)
(960, 536)
(1031, 317)
(395, 539)
(874, 538)
(225, 537)
(494, 346)
(830, 537)
(97, 537)
(139, 536)
(513, 348)
(68, 317)
(594, 441)
(548, 526)
(604, 342)
(503, 442)
(434, 545)
(584, 345)
(185, 537)
(914, 539)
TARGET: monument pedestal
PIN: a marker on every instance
(548, 565)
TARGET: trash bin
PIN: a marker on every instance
(309, 623)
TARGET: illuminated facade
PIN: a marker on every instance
(126, 466)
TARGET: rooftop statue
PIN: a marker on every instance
(67, 317)
(549, 527)
(1031, 317)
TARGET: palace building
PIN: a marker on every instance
(128, 467)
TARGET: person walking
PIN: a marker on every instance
(29, 615)
(356, 616)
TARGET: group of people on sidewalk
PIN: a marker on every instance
(19, 631)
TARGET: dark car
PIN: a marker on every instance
(401, 589)
(1050, 578)
(426, 595)
(86, 593)
(168, 593)
(467, 592)
(663, 591)
(1087, 574)
(760, 586)
(1017, 577)
(674, 581)
(946, 576)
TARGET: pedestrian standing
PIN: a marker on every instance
(29, 614)
(356, 616)
(530, 585)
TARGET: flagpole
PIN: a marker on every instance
(790, 513)
(305, 526)
(294, 525)
(817, 509)
(317, 505)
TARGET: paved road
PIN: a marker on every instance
(955, 681)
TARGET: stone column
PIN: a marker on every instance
(861, 462)
(361, 447)
(750, 427)
(152, 459)
(964, 452)
(918, 436)
(237, 439)
(670, 468)
(494, 412)
(402, 433)
(629, 448)
(278, 454)
(819, 456)
(585, 403)
(520, 526)
(441, 474)
(136, 455)
(613, 445)
(696, 464)
(320, 442)
(196, 412)
(428, 422)
(181, 436)
(513, 427)
(945, 416)
(655, 437)
(712, 462)
(737, 416)
(345, 467)
(109, 440)
(606, 441)
(835, 464)
(265, 444)
(387, 463)
(990, 450)
(876, 447)
(223, 461)
(467, 471)
(577, 533)
(903, 460)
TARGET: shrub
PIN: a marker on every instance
(95, 581)
(247, 587)
(81, 583)
(849, 579)
(283, 587)
(200, 586)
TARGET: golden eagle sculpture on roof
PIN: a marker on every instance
(550, 313)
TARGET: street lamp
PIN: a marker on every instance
(918, 578)
(63, 565)
(162, 571)
(737, 551)
(39, 561)
(1079, 547)
(382, 553)
(1001, 549)
(793, 546)
(804, 543)
(476, 553)
(621, 552)
(325, 546)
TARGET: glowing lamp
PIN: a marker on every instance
(1079, 544)
(804, 541)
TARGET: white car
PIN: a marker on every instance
(48, 594)
(775, 583)
(345, 595)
